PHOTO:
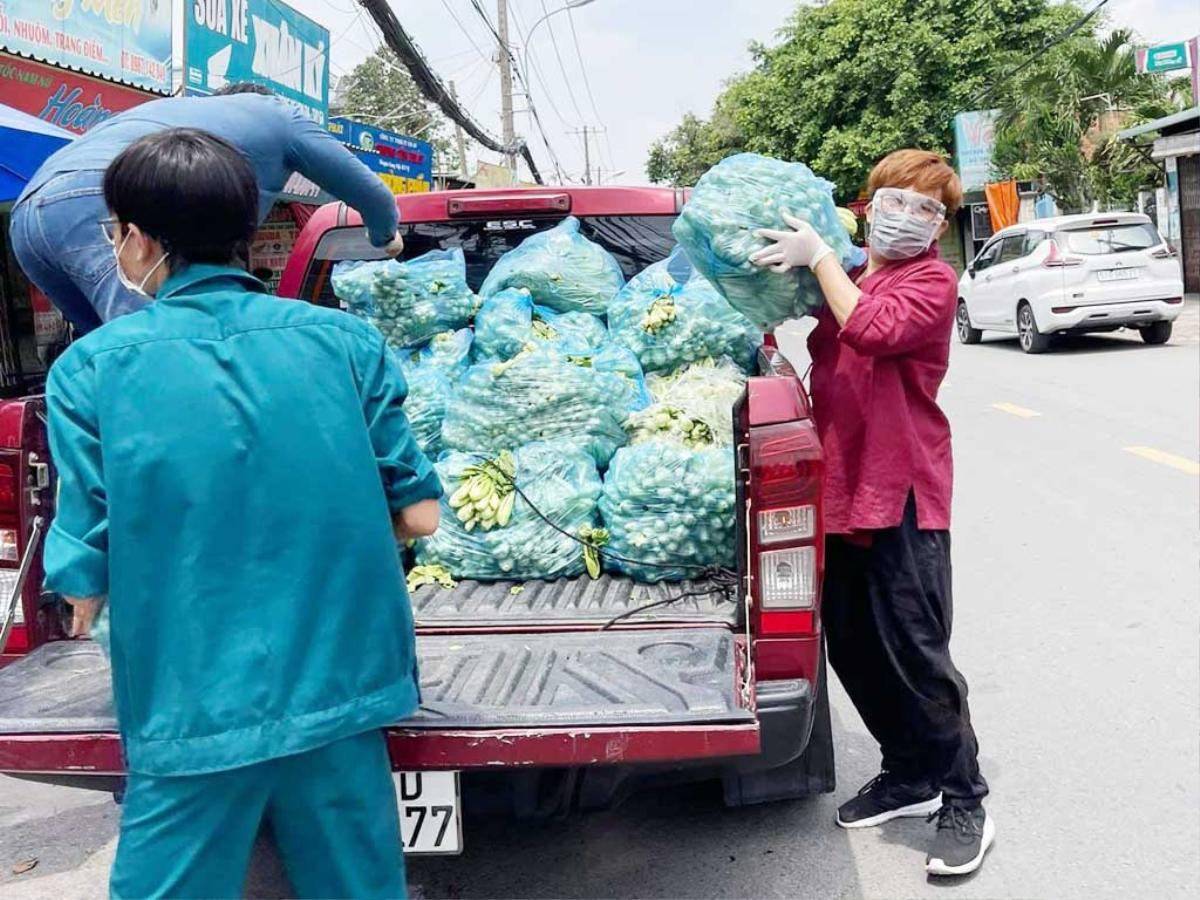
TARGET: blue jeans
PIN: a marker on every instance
(57, 240)
(332, 811)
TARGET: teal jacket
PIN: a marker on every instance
(227, 463)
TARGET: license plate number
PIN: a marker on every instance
(1118, 274)
(430, 812)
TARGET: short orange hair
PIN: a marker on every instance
(918, 170)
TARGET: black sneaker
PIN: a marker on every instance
(963, 837)
(884, 798)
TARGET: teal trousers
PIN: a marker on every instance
(332, 810)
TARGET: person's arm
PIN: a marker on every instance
(76, 553)
(317, 155)
(409, 479)
(895, 319)
(841, 293)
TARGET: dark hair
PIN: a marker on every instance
(190, 191)
(244, 87)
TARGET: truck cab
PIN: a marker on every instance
(538, 698)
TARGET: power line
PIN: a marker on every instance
(1047, 45)
(528, 97)
(561, 68)
(463, 29)
(432, 87)
(587, 83)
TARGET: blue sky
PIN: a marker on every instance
(648, 61)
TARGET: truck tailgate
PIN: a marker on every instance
(488, 699)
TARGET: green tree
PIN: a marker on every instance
(1059, 121)
(851, 80)
(380, 92)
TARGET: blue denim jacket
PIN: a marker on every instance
(227, 463)
(274, 136)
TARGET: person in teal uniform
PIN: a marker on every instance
(235, 471)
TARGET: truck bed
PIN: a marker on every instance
(673, 664)
(577, 601)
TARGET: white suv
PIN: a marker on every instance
(1072, 274)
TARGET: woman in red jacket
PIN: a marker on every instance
(880, 351)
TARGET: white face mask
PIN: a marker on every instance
(904, 223)
(138, 288)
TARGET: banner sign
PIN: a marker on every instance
(974, 137)
(66, 99)
(124, 40)
(1164, 58)
(263, 41)
(404, 164)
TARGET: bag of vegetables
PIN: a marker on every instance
(739, 195)
(670, 508)
(562, 269)
(449, 352)
(693, 407)
(509, 320)
(425, 406)
(490, 533)
(408, 301)
(669, 316)
(539, 394)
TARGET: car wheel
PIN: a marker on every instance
(967, 334)
(1156, 333)
(1032, 340)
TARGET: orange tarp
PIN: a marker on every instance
(1003, 203)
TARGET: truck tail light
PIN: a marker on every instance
(510, 204)
(785, 538)
(789, 578)
(1057, 259)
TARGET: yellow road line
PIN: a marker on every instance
(1182, 463)
(1015, 410)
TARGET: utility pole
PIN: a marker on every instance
(506, 92)
(460, 140)
(587, 151)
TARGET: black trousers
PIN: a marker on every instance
(887, 613)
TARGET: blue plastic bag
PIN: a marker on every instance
(409, 301)
(670, 316)
(562, 269)
(669, 511)
(429, 391)
(449, 352)
(733, 199)
(559, 480)
(538, 395)
(619, 373)
(510, 320)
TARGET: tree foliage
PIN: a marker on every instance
(1059, 121)
(851, 80)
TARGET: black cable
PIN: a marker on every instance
(721, 579)
(431, 87)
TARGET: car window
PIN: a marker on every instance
(1014, 247)
(1121, 238)
(634, 241)
(1033, 240)
(987, 256)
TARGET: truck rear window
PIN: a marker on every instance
(1112, 238)
(634, 241)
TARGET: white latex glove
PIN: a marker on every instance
(394, 247)
(800, 247)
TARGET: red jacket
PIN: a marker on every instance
(874, 392)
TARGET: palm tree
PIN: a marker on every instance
(1060, 121)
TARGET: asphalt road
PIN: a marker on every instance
(1076, 543)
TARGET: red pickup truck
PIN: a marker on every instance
(523, 693)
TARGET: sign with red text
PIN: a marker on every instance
(66, 99)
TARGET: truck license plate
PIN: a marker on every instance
(1118, 274)
(430, 812)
